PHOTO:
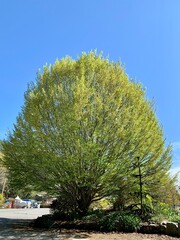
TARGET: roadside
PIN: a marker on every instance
(14, 224)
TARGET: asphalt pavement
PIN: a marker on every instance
(14, 224)
(23, 213)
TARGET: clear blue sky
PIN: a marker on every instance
(143, 34)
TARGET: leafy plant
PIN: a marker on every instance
(1, 199)
(63, 209)
(120, 221)
(94, 215)
(45, 221)
(163, 211)
(144, 212)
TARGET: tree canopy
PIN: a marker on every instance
(82, 128)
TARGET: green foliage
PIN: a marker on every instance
(64, 209)
(95, 215)
(45, 221)
(1, 145)
(1, 200)
(81, 128)
(3, 180)
(163, 211)
(175, 217)
(103, 203)
(114, 221)
(144, 212)
(168, 192)
(120, 221)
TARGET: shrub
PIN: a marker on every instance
(120, 221)
(1, 200)
(45, 221)
(63, 209)
(103, 203)
(145, 214)
(163, 211)
(94, 215)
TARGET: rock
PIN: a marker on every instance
(163, 229)
(172, 229)
(164, 223)
(152, 228)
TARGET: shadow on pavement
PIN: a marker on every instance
(19, 229)
(8, 222)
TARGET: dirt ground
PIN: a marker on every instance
(19, 232)
(129, 236)
(74, 234)
(79, 235)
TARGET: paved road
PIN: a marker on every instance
(14, 225)
(23, 213)
(22, 217)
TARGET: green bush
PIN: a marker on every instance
(1, 200)
(175, 218)
(103, 203)
(120, 221)
(94, 215)
(45, 221)
(145, 213)
(163, 211)
(63, 209)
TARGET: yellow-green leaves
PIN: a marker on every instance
(82, 126)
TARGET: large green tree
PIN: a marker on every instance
(81, 129)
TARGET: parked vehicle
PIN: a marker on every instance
(32, 203)
(25, 203)
(19, 203)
